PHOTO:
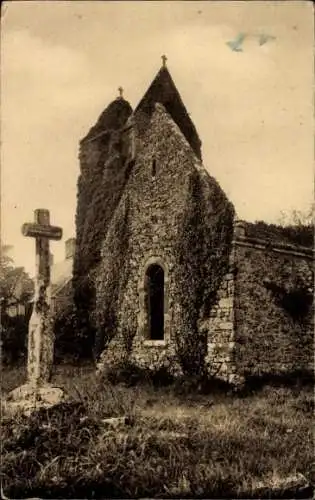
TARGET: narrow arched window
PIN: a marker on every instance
(153, 172)
(154, 284)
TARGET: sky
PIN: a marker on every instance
(62, 63)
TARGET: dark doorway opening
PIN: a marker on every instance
(155, 301)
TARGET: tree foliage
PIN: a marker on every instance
(14, 281)
(16, 287)
(295, 228)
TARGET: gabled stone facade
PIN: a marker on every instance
(162, 278)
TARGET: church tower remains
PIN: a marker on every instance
(154, 236)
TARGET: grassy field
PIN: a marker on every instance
(172, 445)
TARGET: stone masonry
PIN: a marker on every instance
(153, 227)
(134, 189)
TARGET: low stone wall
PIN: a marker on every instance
(273, 308)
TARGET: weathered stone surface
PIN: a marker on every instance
(285, 487)
(40, 334)
(37, 393)
(115, 421)
(40, 347)
(270, 338)
(144, 164)
(149, 243)
(28, 398)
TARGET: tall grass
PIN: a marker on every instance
(171, 446)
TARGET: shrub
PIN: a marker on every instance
(74, 335)
(14, 338)
(294, 234)
(70, 341)
(129, 374)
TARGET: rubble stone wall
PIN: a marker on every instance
(273, 309)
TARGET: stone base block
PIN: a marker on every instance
(28, 398)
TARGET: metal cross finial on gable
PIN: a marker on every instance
(164, 59)
(120, 90)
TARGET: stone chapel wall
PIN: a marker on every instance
(221, 345)
(155, 196)
(153, 210)
(273, 309)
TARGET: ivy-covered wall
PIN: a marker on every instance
(179, 218)
(233, 307)
(273, 310)
(104, 170)
(202, 253)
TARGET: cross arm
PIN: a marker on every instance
(42, 231)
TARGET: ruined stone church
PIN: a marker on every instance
(164, 276)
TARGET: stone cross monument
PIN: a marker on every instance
(37, 392)
(40, 334)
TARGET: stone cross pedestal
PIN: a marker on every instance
(40, 335)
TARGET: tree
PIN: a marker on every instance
(297, 217)
(16, 288)
(298, 225)
(295, 227)
(15, 283)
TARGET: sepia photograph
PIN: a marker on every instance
(157, 249)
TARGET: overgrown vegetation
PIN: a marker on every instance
(104, 172)
(203, 251)
(297, 302)
(111, 287)
(273, 308)
(16, 291)
(293, 233)
(168, 446)
(13, 338)
(68, 344)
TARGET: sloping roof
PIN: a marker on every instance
(61, 274)
(163, 90)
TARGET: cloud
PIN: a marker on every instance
(32, 56)
(62, 63)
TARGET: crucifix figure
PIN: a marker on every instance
(164, 59)
(120, 90)
(40, 333)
